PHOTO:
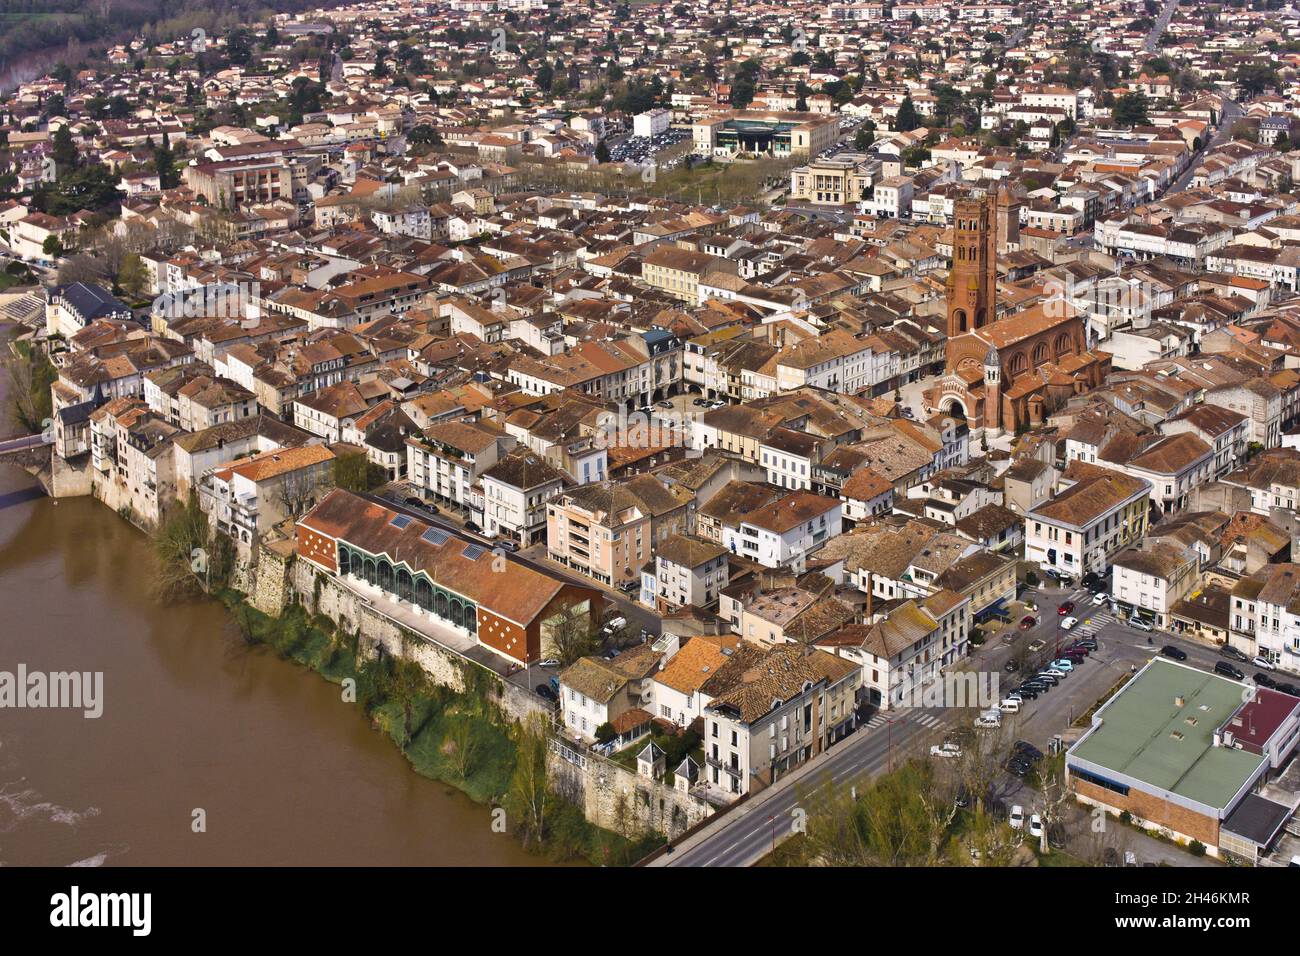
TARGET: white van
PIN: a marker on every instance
(1009, 706)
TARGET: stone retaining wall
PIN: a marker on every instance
(621, 800)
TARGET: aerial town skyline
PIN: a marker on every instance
(689, 434)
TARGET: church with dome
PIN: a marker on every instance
(1008, 373)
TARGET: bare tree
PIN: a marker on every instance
(573, 635)
(462, 748)
(83, 268)
(530, 797)
(296, 491)
(982, 753)
(1056, 800)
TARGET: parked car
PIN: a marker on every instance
(1068, 623)
(700, 402)
(988, 721)
(1026, 692)
(1173, 652)
(1138, 624)
(1017, 817)
(1036, 826)
(1065, 608)
(472, 527)
(1264, 662)
(1291, 689)
(1263, 680)
(549, 662)
(1056, 672)
(664, 404)
(505, 544)
(1027, 750)
(1076, 649)
(1017, 766)
(1009, 705)
(1227, 650)
(1048, 678)
(1090, 643)
(1036, 646)
(1027, 622)
(544, 691)
(1228, 670)
(1098, 599)
(945, 750)
(1011, 666)
(1063, 664)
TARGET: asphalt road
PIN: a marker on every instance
(1231, 112)
(753, 830)
(22, 444)
(1162, 21)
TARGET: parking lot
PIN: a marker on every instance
(642, 150)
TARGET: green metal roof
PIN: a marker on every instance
(1145, 735)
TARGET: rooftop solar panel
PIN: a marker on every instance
(435, 536)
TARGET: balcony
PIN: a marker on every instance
(735, 771)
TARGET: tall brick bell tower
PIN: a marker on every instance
(972, 280)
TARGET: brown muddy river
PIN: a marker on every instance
(285, 771)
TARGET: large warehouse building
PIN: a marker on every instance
(1188, 753)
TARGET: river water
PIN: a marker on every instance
(284, 771)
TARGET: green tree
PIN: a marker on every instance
(1252, 79)
(907, 119)
(356, 473)
(132, 277)
(164, 164)
(1130, 110)
(64, 151)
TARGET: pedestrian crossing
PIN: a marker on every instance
(925, 719)
(1092, 623)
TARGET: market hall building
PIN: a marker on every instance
(505, 605)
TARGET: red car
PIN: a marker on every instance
(1027, 622)
(1065, 608)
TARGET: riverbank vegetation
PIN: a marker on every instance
(191, 557)
(909, 817)
(458, 738)
(30, 374)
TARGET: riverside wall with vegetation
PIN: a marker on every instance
(454, 720)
